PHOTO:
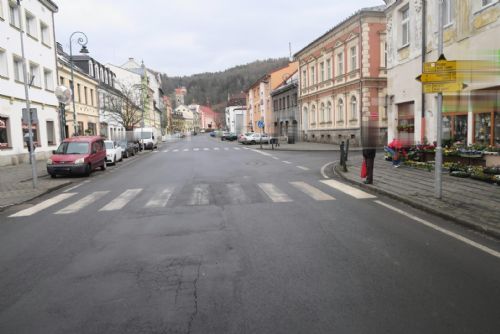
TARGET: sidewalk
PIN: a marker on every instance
(472, 203)
(305, 146)
(16, 184)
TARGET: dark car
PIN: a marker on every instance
(231, 136)
(128, 148)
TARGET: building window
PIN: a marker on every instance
(14, 14)
(354, 108)
(61, 81)
(44, 29)
(405, 26)
(294, 101)
(85, 95)
(79, 90)
(34, 77)
(305, 116)
(275, 105)
(340, 110)
(329, 111)
(354, 58)
(4, 133)
(80, 128)
(91, 97)
(304, 78)
(51, 138)
(329, 69)
(31, 24)
(48, 78)
(18, 69)
(340, 64)
(448, 10)
(384, 56)
(279, 104)
(4, 70)
(313, 79)
(91, 129)
(322, 111)
(322, 71)
(34, 130)
(313, 115)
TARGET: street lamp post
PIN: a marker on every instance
(82, 40)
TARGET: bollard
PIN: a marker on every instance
(347, 151)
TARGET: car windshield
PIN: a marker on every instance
(73, 148)
(145, 135)
(108, 144)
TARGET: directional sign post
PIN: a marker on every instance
(261, 125)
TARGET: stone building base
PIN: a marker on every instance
(17, 159)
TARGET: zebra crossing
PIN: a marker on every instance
(202, 194)
(204, 149)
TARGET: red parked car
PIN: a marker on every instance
(78, 156)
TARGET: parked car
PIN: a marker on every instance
(257, 138)
(128, 148)
(213, 134)
(231, 136)
(243, 137)
(113, 152)
(77, 156)
(224, 135)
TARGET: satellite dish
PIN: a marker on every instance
(63, 94)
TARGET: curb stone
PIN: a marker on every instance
(52, 189)
(488, 230)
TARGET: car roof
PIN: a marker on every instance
(83, 139)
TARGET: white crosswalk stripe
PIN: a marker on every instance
(236, 193)
(351, 191)
(81, 203)
(166, 151)
(206, 149)
(122, 200)
(43, 205)
(312, 192)
(161, 199)
(200, 195)
(186, 150)
(176, 150)
(196, 149)
(226, 149)
(237, 148)
(216, 149)
(302, 167)
(275, 194)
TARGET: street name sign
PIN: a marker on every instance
(447, 87)
(437, 77)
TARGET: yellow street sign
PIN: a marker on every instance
(440, 66)
(449, 87)
(437, 77)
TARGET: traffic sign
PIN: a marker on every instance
(26, 117)
(437, 77)
(440, 66)
(448, 87)
(260, 124)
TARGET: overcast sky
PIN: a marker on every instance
(183, 37)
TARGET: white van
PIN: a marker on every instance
(148, 137)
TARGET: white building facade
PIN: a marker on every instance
(36, 19)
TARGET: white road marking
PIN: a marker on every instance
(236, 148)
(196, 149)
(122, 200)
(176, 150)
(200, 195)
(226, 149)
(323, 170)
(186, 150)
(81, 203)
(77, 186)
(156, 151)
(263, 153)
(165, 151)
(274, 193)
(206, 149)
(160, 200)
(313, 192)
(302, 167)
(276, 158)
(43, 205)
(287, 162)
(245, 148)
(236, 193)
(216, 149)
(351, 191)
(442, 230)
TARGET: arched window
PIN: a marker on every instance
(313, 115)
(305, 118)
(340, 110)
(354, 107)
(329, 111)
(322, 110)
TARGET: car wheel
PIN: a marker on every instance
(121, 157)
(104, 166)
(53, 176)
(87, 170)
(114, 160)
(253, 142)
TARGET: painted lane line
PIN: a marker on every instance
(236, 193)
(81, 203)
(263, 153)
(302, 167)
(165, 151)
(274, 193)
(312, 192)
(200, 195)
(287, 162)
(276, 158)
(351, 191)
(77, 186)
(43, 205)
(122, 200)
(442, 230)
(196, 149)
(176, 150)
(161, 199)
(226, 149)
(186, 150)
(323, 169)
(237, 148)
(216, 149)
(245, 148)
(206, 149)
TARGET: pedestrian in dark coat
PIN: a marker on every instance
(369, 155)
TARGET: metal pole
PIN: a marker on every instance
(72, 86)
(31, 147)
(439, 149)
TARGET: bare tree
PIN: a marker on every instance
(125, 108)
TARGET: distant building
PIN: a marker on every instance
(180, 96)
(285, 109)
(36, 18)
(207, 118)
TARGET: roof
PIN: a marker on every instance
(376, 9)
(50, 5)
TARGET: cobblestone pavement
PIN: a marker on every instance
(466, 201)
(16, 183)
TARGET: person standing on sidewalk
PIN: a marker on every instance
(369, 156)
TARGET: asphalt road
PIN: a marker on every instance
(206, 236)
